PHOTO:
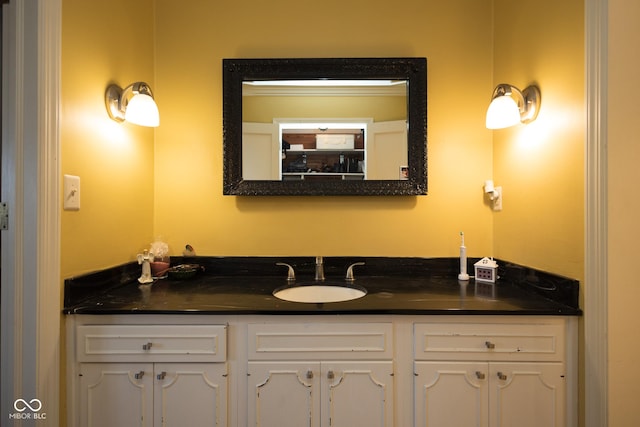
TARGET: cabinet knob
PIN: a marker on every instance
(161, 375)
(489, 345)
(147, 346)
(139, 375)
(309, 374)
(331, 375)
(479, 375)
(502, 376)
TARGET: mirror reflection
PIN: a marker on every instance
(324, 130)
(328, 126)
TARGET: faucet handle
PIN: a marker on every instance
(349, 277)
(319, 269)
(291, 275)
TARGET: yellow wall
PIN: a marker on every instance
(624, 205)
(105, 42)
(139, 183)
(541, 165)
(192, 40)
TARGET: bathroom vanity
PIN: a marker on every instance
(418, 349)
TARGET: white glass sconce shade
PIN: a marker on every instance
(510, 106)
(503, 112)
(142, 110)
(134, 104)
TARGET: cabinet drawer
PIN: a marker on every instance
(544, 341)
(151, 343)
(362, 341)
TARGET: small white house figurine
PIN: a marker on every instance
(486, 270)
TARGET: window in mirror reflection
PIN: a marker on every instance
(324, 130)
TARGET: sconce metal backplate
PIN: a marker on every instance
(531, 95)
(114, 107)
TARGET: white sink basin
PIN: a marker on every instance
(319, 293)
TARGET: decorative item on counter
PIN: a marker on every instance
(144, 259)
(161, 261)
(486, 270)
(188, 250)
(184, 271)
(463, 260)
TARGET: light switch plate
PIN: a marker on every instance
(71, 189)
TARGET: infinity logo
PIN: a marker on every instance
(37, 405)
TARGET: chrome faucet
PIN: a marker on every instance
(319, 269)
(349, 277)
(291, 275)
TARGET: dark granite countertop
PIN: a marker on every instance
(244, 285)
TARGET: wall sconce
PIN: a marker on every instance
(509, 106)
(494, 194)
(134, 104)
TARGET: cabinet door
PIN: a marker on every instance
(284, 394)
(190, 394)
(451, 394)
(116, 394)
(261, 158)
(386, 149)
(527, 394)
(357, 394)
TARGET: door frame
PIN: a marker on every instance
(595, 345)
(31, 291)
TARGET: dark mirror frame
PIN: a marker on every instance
(237, 71)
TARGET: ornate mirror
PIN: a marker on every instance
(325, 126)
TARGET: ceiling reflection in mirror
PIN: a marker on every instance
(356, 127)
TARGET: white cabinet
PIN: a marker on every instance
(150, 375)
(190, 394)
(320, 393)
(283, 394)
(321, 371)
(148, 394)
(116, 394)
(330, 391)
(527, 394)
(506, 375)
(489, 394)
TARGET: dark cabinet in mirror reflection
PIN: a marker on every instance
(266, 102)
